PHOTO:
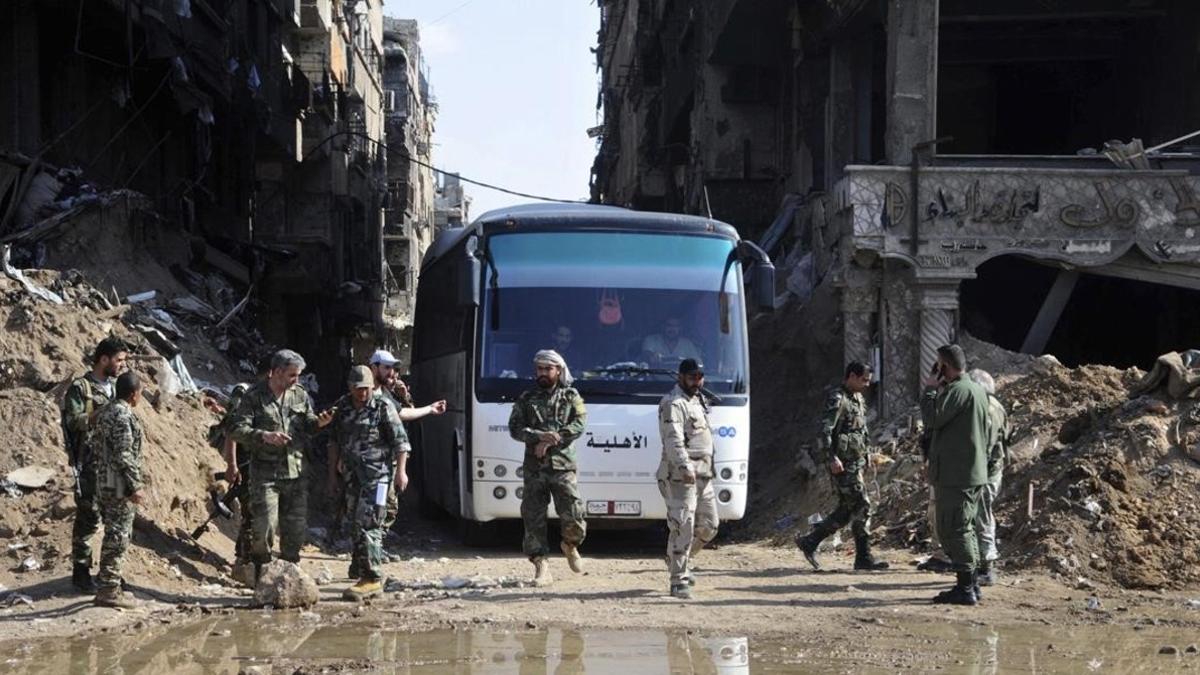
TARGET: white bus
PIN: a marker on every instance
(626, 286)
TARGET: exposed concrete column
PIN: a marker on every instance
(859, 305)
(839, 112)
(912, 44)
(938, 304)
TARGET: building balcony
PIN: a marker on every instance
(316, 16)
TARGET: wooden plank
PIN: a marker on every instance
(1051, 311)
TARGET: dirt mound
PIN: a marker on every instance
(44, 345)
(1113, 491)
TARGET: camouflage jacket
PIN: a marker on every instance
(370, 439)
(559, 409)
(260, 412)
(844, 427)
(84, 399)
(117, 441)
(686, 436)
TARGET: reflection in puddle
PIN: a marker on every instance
(285, 642)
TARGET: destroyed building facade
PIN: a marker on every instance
(258, 126)
(936, 166)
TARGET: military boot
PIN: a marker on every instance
(113, 596)
(574, 560)
(365, 588)
(863, 560)
(81, 579)
(682, 591)
(541, 572)
(244, 573)
(987, 575)
(808, 546)
(963, 592)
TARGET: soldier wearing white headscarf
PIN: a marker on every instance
(548, 419)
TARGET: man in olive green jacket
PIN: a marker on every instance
(955, 411)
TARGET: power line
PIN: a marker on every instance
(404, 154)
(447, 14)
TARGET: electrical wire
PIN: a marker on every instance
(451, 12)
(400, 152)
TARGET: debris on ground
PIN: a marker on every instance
(283, 585)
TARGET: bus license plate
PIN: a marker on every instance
(603, 508)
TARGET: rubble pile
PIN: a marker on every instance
(1099, 486)
(52, 320)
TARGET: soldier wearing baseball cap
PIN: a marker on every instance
(370, 442)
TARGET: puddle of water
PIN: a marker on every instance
(285, 642)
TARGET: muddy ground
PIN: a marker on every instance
(838, 618)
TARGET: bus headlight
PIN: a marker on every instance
(480, 473)
(499, 492)
(724, 496)
(520, 493)
(726, 473)
(479, 463)
(520, 472)
(500, 471)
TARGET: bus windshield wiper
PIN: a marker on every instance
(629, 369)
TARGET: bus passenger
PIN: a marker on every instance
(669, 347)
(548, 419)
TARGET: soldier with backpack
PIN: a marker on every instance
(83, 401)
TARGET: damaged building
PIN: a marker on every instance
(937, 167)
(257, 127)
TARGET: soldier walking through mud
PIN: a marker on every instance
(548, 419)
(685, 475)
(997, 443)
(955, 411)
(370, 442)
(84, 399)
(845, 447)
(118, 447)
(273, 422)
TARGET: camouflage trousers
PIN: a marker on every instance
(278, 508)
(985, 519)
(691, 520)
(369, 521)
(87, 516)
(245, 535)
(540, 486)
(853, 507)
(956, 511)
(117, 514)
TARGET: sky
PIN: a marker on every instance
(516, 89)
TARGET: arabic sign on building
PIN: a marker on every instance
(966, 216)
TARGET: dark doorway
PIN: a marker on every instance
(1107, 320)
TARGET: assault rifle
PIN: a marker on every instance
(221, 504)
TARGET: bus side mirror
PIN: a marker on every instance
(762, 282)
(469, 272)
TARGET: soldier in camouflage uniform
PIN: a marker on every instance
(118, 446)
(845, 446)
(998, 438)
(272, 422)
(84, 399)
(548, 419)
(685, 474)
(370, 442)
(237, 470)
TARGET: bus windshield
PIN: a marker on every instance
(622, 308)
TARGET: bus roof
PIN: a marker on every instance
(568, 217)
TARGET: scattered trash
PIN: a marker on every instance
(1095, 664)
(11, 489)
(1084, 584)
(29, 564)
(31, 477)
(19, 276)
(17, 546)
(144, 296)
(15, 598)
(324, 577)
(1093, 603)
(454, 583)
(1093, 506)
